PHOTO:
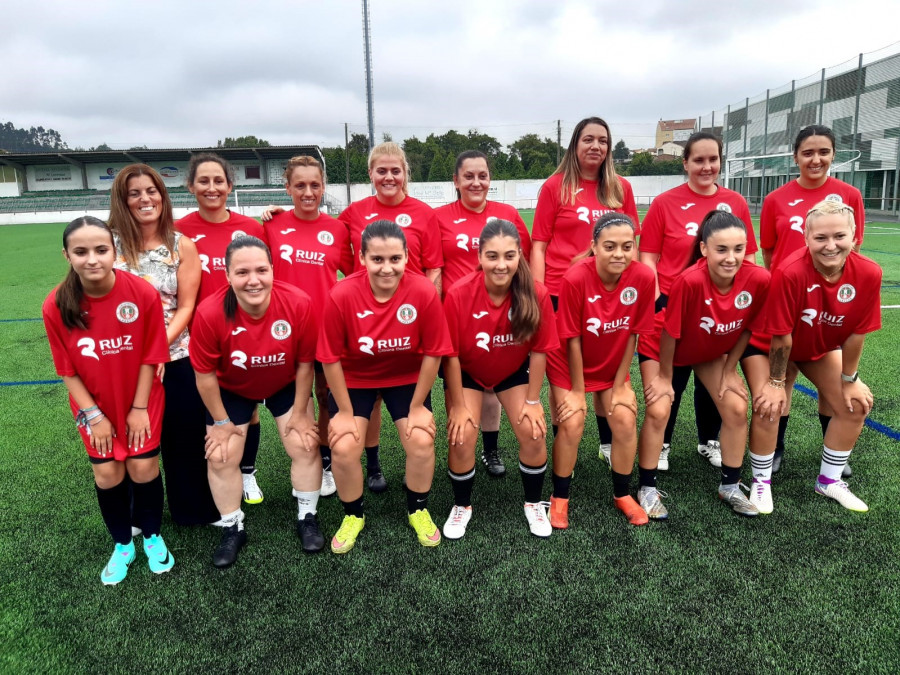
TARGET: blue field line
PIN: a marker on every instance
(872, 424)
(16, 384)
(872, 250)
(17, 320)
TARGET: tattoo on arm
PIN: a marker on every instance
(778, 360)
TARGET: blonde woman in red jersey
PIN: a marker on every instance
(461, 222)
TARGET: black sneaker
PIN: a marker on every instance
(376, 482)
(776, 461)
(494, 464)
(308, 531)
(231, 543)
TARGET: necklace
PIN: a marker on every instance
(829, 276)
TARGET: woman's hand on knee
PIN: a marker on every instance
(623, 395)
(342, 424)
(420, 417)
(857, 391)
(732, 382)
(534, 413)
(304, 429)
(459, 417)
(571, 404)
(217, 438)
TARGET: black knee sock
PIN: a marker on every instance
(489, 440)
(621, 484)
(603, 430)
(731, 475)
(354, 508)
(462, 487)
(646, 477)
(782, 430)
(823, 422)
(416, 501)
(561, 486)
(673, 418)
(373, 463)
(709, 422)
(148, 505)
(251, 449)
(532, 481)
(325, 451)
(116, 512)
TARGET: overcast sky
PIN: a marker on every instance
(166, 73)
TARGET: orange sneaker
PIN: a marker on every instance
(559, 513)
(632, 510)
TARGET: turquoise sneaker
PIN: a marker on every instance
(158, 555)
(117, 567)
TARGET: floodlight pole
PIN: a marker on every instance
(367, 40)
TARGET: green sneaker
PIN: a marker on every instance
(345, 537)
(117, 567)
(426, 530)
(158, 555)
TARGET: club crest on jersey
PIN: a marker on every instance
(238, 233)
(325, 238)
(834, 197)
(743, 300)
(127, 312)
(406, 314)
(846, 293)
(403, 220)
(722, 206)
(628, 296)
(281, 330)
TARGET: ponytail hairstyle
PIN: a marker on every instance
(246, 241)
(608, 219)
(524, 305)
(382, 229)
(70, 293)
(123, 223)
(609, 188)
(715, 221)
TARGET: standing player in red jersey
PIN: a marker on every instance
(461, 222)
(713, 306)
(311, 248)
(254, 341)
(383, 334)
(668, 237)
(825, 298)
(107, 337)
(781, 228)
(583, 187)
(502, 327)
(605, 302)
(212, 227)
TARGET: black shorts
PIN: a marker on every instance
(397, 400)
(554, 300)
(661, 303)
(103, 460)
(240, 408)
(680, 374)
(750, 350)
(318, 367)
(517, 378)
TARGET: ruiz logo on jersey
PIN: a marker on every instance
(743, 300)
(239, 359)
(485, 340)
(628, 296)
(127, 312)
(403, 220)
(406, 314)
(325, 238)
(846, 293)
(368, 346)
(281, 330)
(707, 324)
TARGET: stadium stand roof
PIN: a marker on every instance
(155, 155)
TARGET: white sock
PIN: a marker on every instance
(233, 518)
(761, 465)
(833, 463)
(306, 502)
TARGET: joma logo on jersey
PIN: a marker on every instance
(485, 340)
(596, 326)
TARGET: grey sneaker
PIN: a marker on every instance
(606, 453)
(737, 500)
(663, 459)
(711, 451)
(650, 500)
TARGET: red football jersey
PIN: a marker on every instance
(125, 331)
(482, 334)
(309, 253)
(783, 217)
(819, 315)
(382, 344)
(416, 218)
(212, 239)
(460, 229)
(255, 358)
(604, 320)
(672, 223)
(567, 228)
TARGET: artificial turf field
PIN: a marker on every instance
(810, 588)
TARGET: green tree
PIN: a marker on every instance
(641, 165)
(243, 142)
(437, 170)
(621, 152)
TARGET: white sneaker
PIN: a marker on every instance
(455, 527)
(252, 493)
(606, 452)
(650, 500)
(711, 451)
(538, 523)
(761, 495)
(664, 458)
(839, 491)
(328, 486)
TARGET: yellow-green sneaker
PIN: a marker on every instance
(426, 530)
(345, 537)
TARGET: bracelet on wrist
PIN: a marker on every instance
(850, 378)
(221, 423)
(538, 402)
(98, 418)
(137, 407)
(776, 384)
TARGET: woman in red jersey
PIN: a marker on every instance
(148, 245)
(383, 335)
(254, 341)
(781, 227)
(502, 327)
(212, 227)
(583, 187)
(668, 237)
(825, 298)
(605, 302)
(107, 338)
(713, 306)
(461, 222)
(311, 248)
